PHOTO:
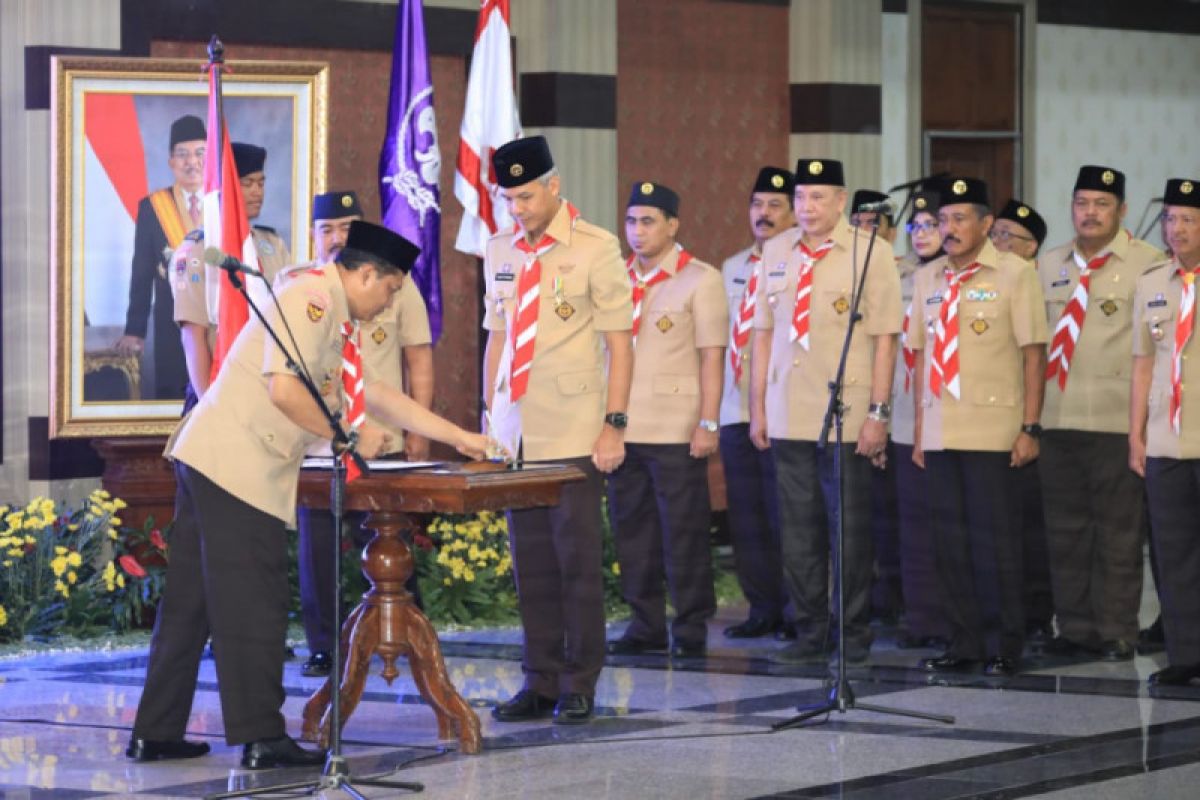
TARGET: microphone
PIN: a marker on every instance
(884, 206)
(918, 182)
(215, 257)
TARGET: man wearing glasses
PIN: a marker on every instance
(1019, 229)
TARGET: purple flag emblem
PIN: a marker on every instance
(409, 162)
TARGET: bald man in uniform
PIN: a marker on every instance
(658, 498)
(978, 329)
(557, 296)
(1094, 504)
(800, 320)
(749, 472)
(1164, 434)
(239, 455)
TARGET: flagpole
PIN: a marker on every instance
(216, 65)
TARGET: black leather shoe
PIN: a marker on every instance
(1116, 650)
(281, 752)
(689, 650)
(752, 628)
(1151, 640)
(319, 665)
(1061, 646)
(1000, 667)
(574, 709)
(525, 705)
(628, 646)
(801, 653)
(154, 750)
(948, 663)
(1176, 676)
(786, 632)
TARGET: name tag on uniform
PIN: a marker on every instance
(933, 300)
(1157, 302)
(777, 273)
(505, 276)
(739, 280)
(1063, 282)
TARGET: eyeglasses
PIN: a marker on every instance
(921, 227)
(1004, 236)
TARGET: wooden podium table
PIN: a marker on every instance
(387, 622)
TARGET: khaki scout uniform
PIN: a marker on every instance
(658, 497)
(797, 394)
(749, 472)
(557, 552)
(968, 441)
(1094, 504)
(238, 457)
(1172, 461)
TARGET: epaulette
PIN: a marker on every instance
(265, 229)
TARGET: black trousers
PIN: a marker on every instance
(557, 556)
(1038, 592)
(1173, 488)
(227, 576)
(808, 533)
(887, 594)
(975, 503)
(925, 613)
(754, 522)
(659, 509)
(1095, 525)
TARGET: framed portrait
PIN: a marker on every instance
(127, 165)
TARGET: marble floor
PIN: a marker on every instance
(696, 728)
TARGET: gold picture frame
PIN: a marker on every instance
(111, 121)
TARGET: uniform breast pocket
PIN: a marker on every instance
(1161, 327)
(836, 305)
(688, 385)
(572, 283)
(1054, 309)
(667, 318)
(993, 393)
(583, 382)
(1107, 309)
(980, 319)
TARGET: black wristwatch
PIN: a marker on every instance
(617, 419)
(1033, 429)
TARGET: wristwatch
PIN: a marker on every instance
(1033, 429)
(710, 425)
(880, 412)
(617, 419)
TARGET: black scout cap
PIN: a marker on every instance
(248, 158)
(1024, 215)
(187, 129)
(822, 171)
(1101, 179)
(522, 160)
(335, 205)
(964, 190)
(378, 241)
(925, 203)
(774, 179)
(654, 195)
(1182, 192)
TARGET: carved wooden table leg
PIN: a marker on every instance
(388, 624)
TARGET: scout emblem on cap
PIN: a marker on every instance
(647, 188)
(920, 202)
(959, 187)
(664, 323)
(815, 168)
(841, 305)
(379, 334)
(516, 170)
(1022, 211)
(1186, 187)
(1107, 177)
(315, 312)
(777, 181)
(979, 325)
(347, 201)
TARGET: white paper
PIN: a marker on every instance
(326, 462)
(504, 415)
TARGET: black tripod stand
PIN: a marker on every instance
(841, 695)
(336, 773)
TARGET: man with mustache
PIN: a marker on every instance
(978, 330)
(1094, 505)
(800, 318)
(1164, 425)
(163, 218)
(750, 472)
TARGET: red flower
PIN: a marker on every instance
(422, 542)
(156, 539)
(131, 566)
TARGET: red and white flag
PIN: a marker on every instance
(489, 120)
(226, 227)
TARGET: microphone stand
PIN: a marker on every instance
(841, 696)
(336, 773)
(1143, 231)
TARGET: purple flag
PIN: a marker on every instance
(409, 163)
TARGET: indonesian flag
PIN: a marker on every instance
(225, 226)
(489, 120)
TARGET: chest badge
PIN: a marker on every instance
(979, 325)
(315, 312)
(564, 310)
(1109, 307)
(379, 335)
(1157, 333)
(841, 305)
(664, 323)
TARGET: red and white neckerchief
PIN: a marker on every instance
(1066, 332)
(909, 355)
(944, 367)
(352, 387)
(743, 323)
(808, 260)
(529, 294)
(1183, 333)
(641, 283)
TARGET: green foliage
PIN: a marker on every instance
(464, 569)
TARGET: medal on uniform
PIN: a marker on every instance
(1156, 332)
(979, 325)
(561, 307)
(1109, 307)
(841, 305)
(664, 323)
(379, 334)
(315, 312)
